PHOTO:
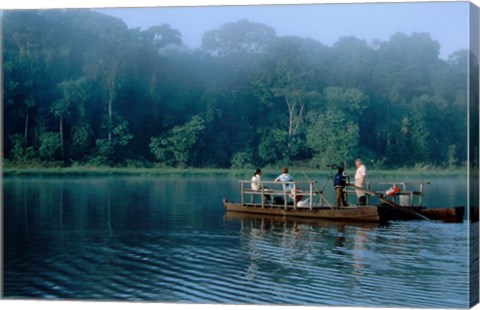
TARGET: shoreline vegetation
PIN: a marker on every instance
(10, 169)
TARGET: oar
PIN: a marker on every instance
(390, 203)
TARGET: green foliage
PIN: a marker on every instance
(19, 150)
(238, 38)
(110, 151)
(73, 94)
(332, 138)
(420, 135)
(452, 156)
(80, 86)
(104, 153)
(242, 160)
(49, 145)
(177, 147)
(273, 147)
(352, 101)
(164, 35)
(334, 135)
(81, 142)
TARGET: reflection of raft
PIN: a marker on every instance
(278, 202)
(276, 220)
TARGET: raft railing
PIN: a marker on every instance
(270, 188)
(410, 194)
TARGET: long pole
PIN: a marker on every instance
(390, 203)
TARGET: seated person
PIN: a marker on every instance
(257, 180)
(257, 183)
(290, 187)
(285, 177)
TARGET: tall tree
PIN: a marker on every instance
(333, 135)
(236, 39)
(73, 94)
(106, 60)
(287, 79)
(23, 46)
(164, 35)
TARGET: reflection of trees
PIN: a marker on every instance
(108, 204)
(60, 209)
(25, 207)
(109, 212)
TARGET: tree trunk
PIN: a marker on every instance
(110, 108)
(61, 138)
(110, 123)
(299, 119)
(294, 120)
(291, 110)
(26, 125)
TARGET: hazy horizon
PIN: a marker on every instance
(446, 23)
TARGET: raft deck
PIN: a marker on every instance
(305, 200)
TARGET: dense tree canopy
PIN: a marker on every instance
(80, 87)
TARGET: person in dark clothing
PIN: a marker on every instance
(339, 182)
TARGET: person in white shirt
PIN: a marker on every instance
(360, 175)
(258, 186)
(257, 180)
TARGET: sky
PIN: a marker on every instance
(446, 22)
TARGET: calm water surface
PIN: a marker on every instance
(168, 239)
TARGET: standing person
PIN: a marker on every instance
(360, 175)
(339, 183)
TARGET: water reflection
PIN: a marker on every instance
(363, 262)
(169, 239)
(359, 248)
(294, 243)
(25, 207)
(109, 212)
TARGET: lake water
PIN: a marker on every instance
(168, 239)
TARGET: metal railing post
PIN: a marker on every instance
(263, 196)
(311, 196)
(294, 197)
(420, 198)
(242, 189)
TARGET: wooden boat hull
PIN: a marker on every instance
(379, 213)
(357, 213)
(452, 215)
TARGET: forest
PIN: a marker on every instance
(81, 88)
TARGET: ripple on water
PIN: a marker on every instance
(179, 254)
